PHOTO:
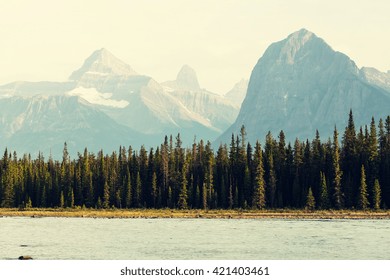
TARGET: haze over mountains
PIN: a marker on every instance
(300, 84)
(105, 104)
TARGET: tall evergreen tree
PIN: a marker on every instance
(324, 196)
(363, 196)
(376, 195)
(183, 195)
(310, 201)
(337, 173)
(259, 183)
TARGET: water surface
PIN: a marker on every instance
(87, 238)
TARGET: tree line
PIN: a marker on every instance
(351, 172)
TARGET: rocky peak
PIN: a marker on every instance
(187, 79)
(102, 63)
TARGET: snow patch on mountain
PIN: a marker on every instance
(94, 97)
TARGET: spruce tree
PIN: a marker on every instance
(337, 173)
(137, 192)
(183, 195)
(128, 198)
(363, 196)
(376, 195)
(62, 200)
(324, 196)
(106, 196)
(310, 201)
(154, 189)
(259, 183)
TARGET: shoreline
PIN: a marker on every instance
(195, 214)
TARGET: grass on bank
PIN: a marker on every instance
(195, 213)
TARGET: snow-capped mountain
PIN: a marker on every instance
(141, 103)
(105, 104)
(301, 84)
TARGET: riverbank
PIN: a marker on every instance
(196, 213)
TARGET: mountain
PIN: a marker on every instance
(376, 77)
(186, 80)
(301, 84)
(141, 103)
(44, 123)
(238, 92)
(218, 112)
(101, 64)
(104, 104)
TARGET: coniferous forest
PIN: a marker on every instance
(349, 171)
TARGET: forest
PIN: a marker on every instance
(349, 171)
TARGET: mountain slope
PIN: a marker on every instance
(299, 85)
(44, 123)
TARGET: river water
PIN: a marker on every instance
(145, 239)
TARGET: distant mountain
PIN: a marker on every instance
(101, 64)
(238, 92)
(44, 123)
(105, 104)
(218, 112)
(301, 84)
(186, 79)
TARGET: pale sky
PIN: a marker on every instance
(221, 39)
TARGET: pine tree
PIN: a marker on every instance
(376, 195)
(271, 180)
(137, 193)
(62, 201)
(71, 195)
(363, 199)
(204, 197)
(106, 196)
(324, 196)
(154, 189)
(349, 162)
(128, 198)
(337, 173)
(259, 183)
(183, 195)
(230, 198)
(310, 201)
(7, 183)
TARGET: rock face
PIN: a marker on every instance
(300, 84)
(187, 79)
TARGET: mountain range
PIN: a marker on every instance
(300, 84)
(105, 104)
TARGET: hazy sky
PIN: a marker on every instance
(221, 39)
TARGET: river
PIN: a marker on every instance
(146, 239)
